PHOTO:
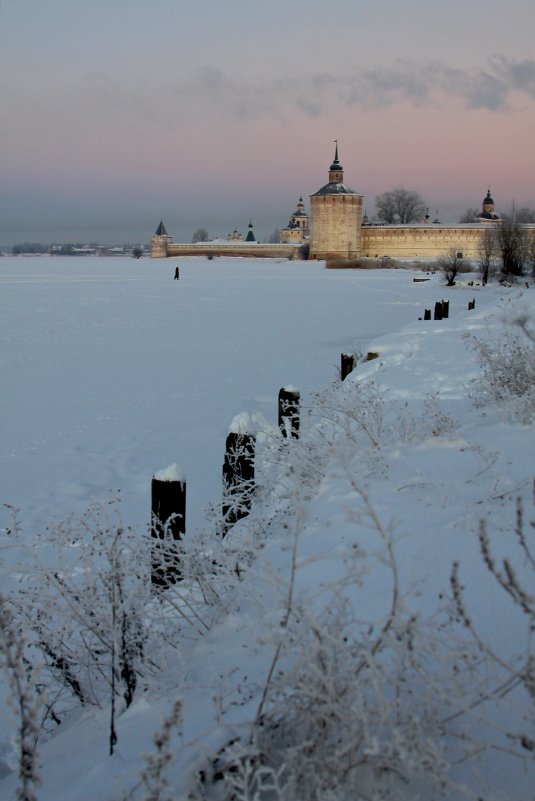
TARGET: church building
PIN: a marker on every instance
(298, 229)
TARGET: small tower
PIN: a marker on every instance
(250, 235)
(159, 242)
(335, 217)
(488, 203)
(487, 213)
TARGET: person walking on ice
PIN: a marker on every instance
(177, 274)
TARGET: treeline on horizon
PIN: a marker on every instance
(69, 248)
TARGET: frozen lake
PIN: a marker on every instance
(111, 370)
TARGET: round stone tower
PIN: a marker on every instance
(335, 218)
(159, 242)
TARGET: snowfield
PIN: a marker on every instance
(347, 638)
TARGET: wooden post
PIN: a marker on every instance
(427, 314)
(168, 525)
(445, 309)
(438, 310)
(289, 412)
(238, 471)
(347, 364)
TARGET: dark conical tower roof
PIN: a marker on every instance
(160, 231)
(336, 164)
(250, 236)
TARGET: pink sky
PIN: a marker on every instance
(115, 115)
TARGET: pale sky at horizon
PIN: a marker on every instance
(116, 113)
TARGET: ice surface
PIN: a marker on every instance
(110, 370)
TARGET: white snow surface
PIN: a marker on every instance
(171, 473)
(111, 369)
(241, 424)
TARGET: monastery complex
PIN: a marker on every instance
(336, 229)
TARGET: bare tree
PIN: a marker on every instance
(469, 216)
(521, 215)
(200, 235)
(486, 252)
(513, 242)
(400, 206)
(451, 265)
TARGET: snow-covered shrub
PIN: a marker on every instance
(343, 711)
(86, 614)
(404, 706)
(435, 420)
(513, 568)
(356, 410)
(507, 371)
(26, 700)
(153, 781)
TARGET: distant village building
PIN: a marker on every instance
(336, 229)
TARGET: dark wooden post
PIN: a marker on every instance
(168, 525)
(427, 314)
(445, 309)
(438, 310)
(289, 412)
(347, 364)
(238, 471)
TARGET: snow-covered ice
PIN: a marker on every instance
(111, 371)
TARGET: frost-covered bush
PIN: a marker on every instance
(81, 597)
(513, 569)
(26, 699)
(507, 371)
(356, 410)
(404, 707)
(342, 713)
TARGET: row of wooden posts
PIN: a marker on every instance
(168, 499)
(442, 310)
(168, 496)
